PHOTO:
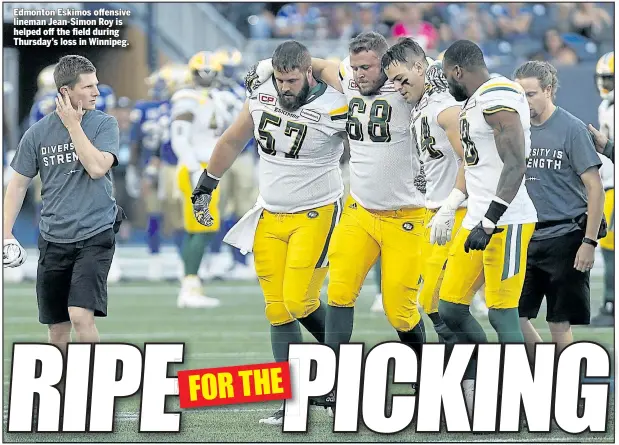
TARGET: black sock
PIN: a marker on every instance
(459, 320)
(415, 338)
(339, 326)
(506, 323)
(282, 336)
(315, 323)
(442, 330)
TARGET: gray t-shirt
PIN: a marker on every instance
(75, 206)
(561, 150)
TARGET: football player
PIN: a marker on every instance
(385, 211)
(199, 117)
(299, 124)
(143, 166)
(605, 81)
(436, 133)
(492, 244)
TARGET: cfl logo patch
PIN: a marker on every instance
(267, 99)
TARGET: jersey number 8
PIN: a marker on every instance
(267, 141)
(471, 156)
(378, 124)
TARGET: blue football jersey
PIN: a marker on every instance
(166, 153)
(42, 107)
(106, 101)
(145, 128)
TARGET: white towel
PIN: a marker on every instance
(242, 234)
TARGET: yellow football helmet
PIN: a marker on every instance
(176, 76)
(605, 75)
(45, 80)
(205, 67)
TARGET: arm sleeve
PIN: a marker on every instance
(25, 161)
(581, 152)
(107, 138)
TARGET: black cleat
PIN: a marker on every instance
(328, 400)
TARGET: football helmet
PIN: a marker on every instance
(205, 67)
(45, 80)
(605, 75)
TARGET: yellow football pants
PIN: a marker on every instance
(434, 262)
(290, 255)
(502, 265)
(359, 238)
(608, 242)
(191, 224)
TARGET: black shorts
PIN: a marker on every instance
(551, 273)
(74, 274)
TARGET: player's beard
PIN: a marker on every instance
(290, 102)
(375, 87)
(457, 90)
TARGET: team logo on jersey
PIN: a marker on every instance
(388, 87)
(353, 206)
(408, 226)
(311, 115)
(267, 99)
(312, 214)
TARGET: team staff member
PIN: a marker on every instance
(563, 180)
(73, 149)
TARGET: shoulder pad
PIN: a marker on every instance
(185, 94)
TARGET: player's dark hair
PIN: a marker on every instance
(544, 72)
(405, 51)
(465, 54)
(369, 41)
(291, 55)
(68, 69)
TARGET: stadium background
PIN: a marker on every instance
(571, 35)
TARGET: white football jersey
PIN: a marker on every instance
(383, 159)
(607, 172)
(606, 115)
(210, 118)
(300, 150)
(482, 163)
(440, 161)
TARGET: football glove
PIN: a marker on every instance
(257, 75)
(13, 254)
(478, 239)
(443, 222)
(201, 198)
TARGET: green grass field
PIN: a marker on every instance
(235, 333)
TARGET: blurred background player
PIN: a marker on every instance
(143, 168)
(605, 80)
(200, 115)
(238, 189)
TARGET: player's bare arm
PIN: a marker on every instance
(449, 120)
(95, 162)
(592, 181)
(509, 139)
(13, 201)
(328, 72)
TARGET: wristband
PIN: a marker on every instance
(496, 209)
(589, 241)
(207, 182)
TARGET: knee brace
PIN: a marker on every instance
(277, 314)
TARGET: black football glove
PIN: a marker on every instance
(478, 239)
(201, 199)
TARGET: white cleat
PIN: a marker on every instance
(197, 301)
(377, 306)
(191, 295)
